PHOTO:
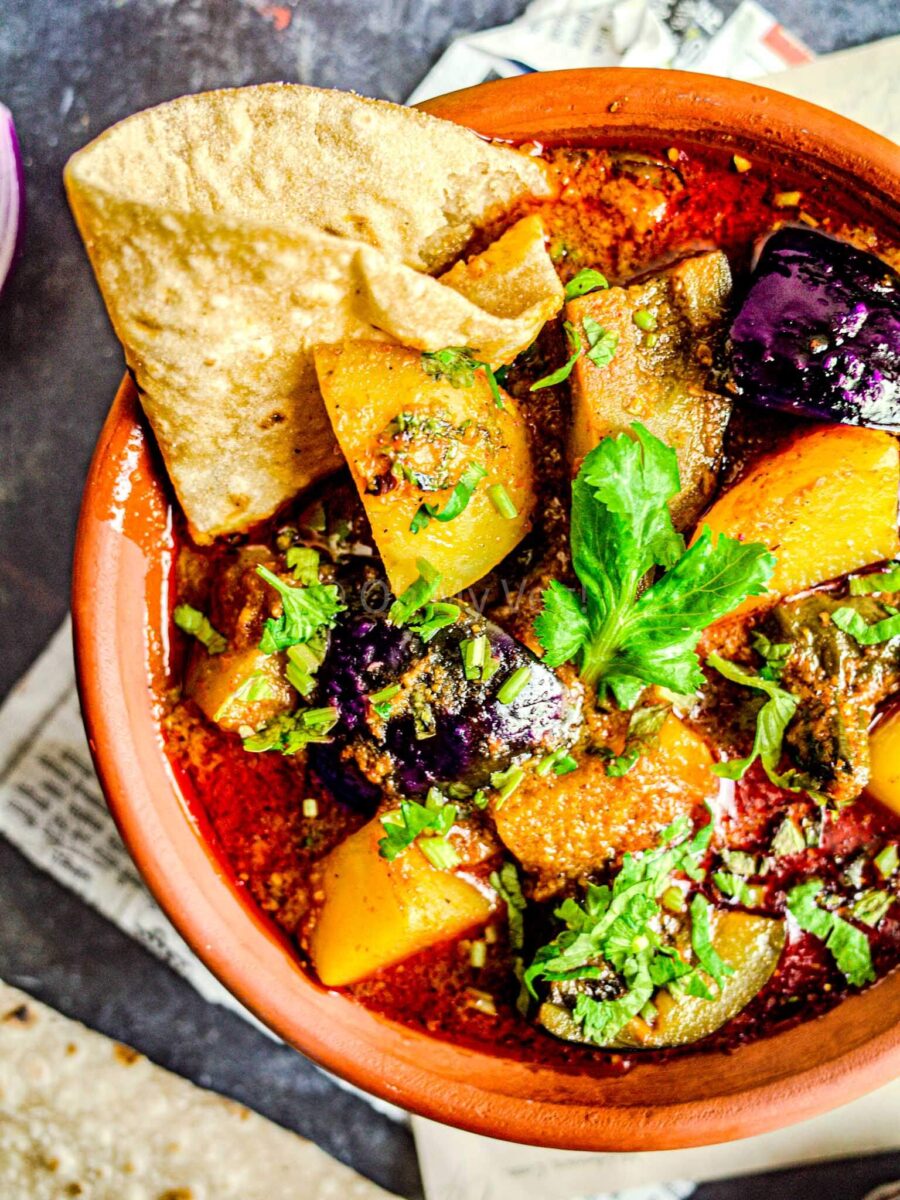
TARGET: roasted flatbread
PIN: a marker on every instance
(233, 231)
(84, 1116)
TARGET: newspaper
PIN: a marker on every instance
(51, 807)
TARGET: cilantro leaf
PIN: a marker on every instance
(562, 626)
(306, 610)
(848, 620)
(643, 731)
(602, 342)
(848, 945)
(417, 595)
(191, 620)
(561, 373)
(433, 618)
(621, 528)
(587, 280)
(468, 481)
(290, 733)
(771, 722)
(775, 655)
(881, 581)
(404, 826)
(701, 943)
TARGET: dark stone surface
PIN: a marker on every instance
(67, 70)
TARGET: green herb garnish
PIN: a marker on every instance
(290, 733)
(191, 620)
(602, 342)
(849, 946)
(417, 595)
(774, 654)
(303, 661)
(433, 618)
(434, 819)
(506, 782)
(506, 884)
(880, 581)
(771, 722)
(871, 907)
(514, 685)
(643, 731)
(644, 319)
(469, 480)
(254, 688)
(304, 562)
(502, 501)
(788, 840)
(458, 364)
(887, 861)
(306, 610)
(848, 620)
(623, 638)
(615, 929)
(587, 280)
(561, 373)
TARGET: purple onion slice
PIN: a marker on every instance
(818, 333)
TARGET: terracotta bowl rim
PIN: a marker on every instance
(119, 578)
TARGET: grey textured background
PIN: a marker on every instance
(67, 70)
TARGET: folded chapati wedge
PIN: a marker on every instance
(232, 231)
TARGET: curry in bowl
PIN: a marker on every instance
(536, 580)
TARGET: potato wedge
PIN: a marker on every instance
(750, 944)
(370, 389)
(825, 504)
(884, 762)
(658, 376)
(375, 913)
(222, 685)
(564, 827)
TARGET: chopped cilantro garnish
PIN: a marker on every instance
(643, 731)
(434, 818)
(849, 946)
(872, 907)
(290, 733)
(880, 581)
(848, 620)
(303, 661)
(506, 884)
(506, 782)
(788, 839)
(433, 618)
(587, 280)
(457, 364)
(306, 610)
(417, 595)
(255, 687)
(771, 722)
(625, 638)
(459, 500)
(615, 930)
(887, 861)
(775, 655)
(561, 373)
(602, 342)
(304, 562)
(191, 620)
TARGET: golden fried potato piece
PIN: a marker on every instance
(562, 828)
(658, 376)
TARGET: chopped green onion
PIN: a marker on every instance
(478, 955)
(457, 504)
(506, 783)
(788, 840)
(502, 501)
(673, 899)
(417, 595)
(514, 685)
(439, 852)
(480, 799)
(587, 280)
(644, 319)
(474, 652)
(191, 620)
(887, 861)
(433, 618)
(311, 807)
(457, 364)
(386, 693)
(304, 562)
(739, 862)
(565, 765)
(304, 659)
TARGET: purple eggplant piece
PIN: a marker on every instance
(447, 730)
(819, 331)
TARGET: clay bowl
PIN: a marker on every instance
(120, 600)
